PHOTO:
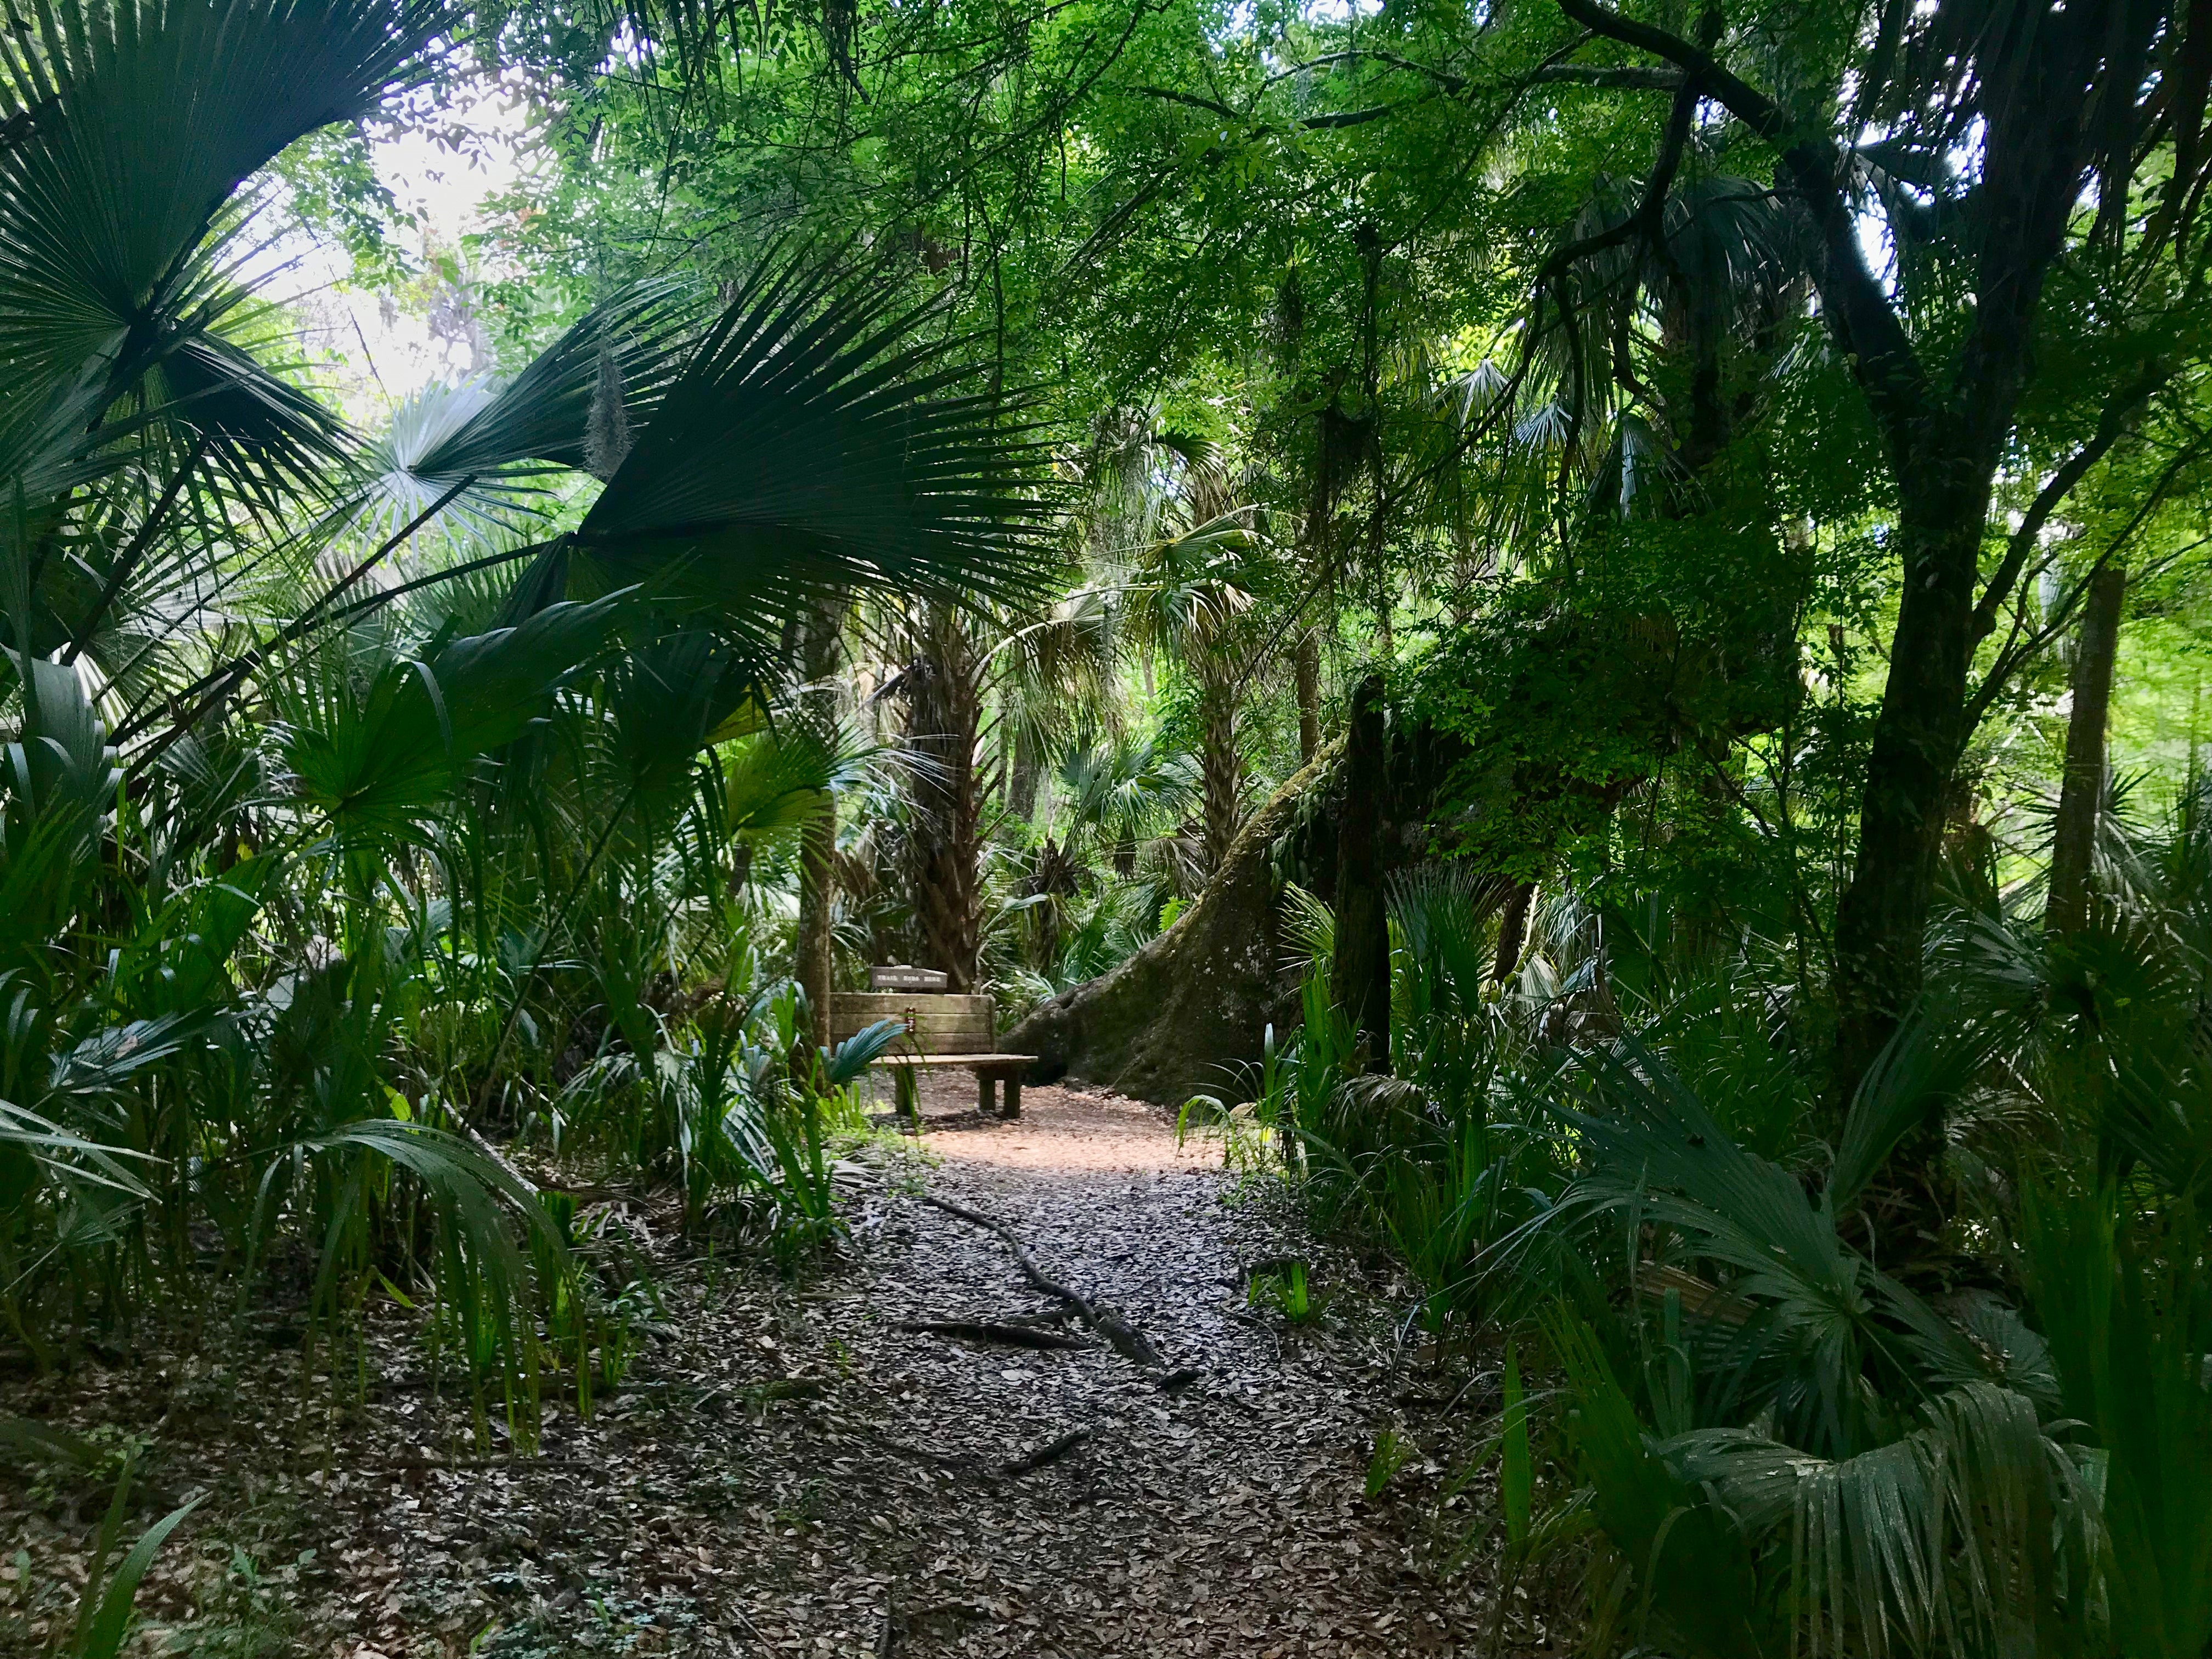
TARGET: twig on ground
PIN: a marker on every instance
(1128, 1340)
(968, 1464)
(1261, 1326)
(500, 1461)
(962, 1461)
(1010, 1335)
(1051, 1452)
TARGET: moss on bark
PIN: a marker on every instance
(1180, 1016)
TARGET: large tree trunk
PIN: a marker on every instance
(1881, 923)
(817, 844)
(1359, 979)
(944, 714)
(1883, 917)
(1945, 433)
(2081, 791)
(1188, 1013)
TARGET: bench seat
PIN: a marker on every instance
(992, 1071)
(941, 1029)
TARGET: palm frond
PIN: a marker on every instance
(495, 439)
(115, 205)
(373, 761)
(817, 438)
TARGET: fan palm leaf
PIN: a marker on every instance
(816, 439)
(491, 441)
(140, 122)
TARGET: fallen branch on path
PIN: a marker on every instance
(1030, 1271)
(1010, 1335)
(1051, 1452)
(968, 1464)
(1127, 1340)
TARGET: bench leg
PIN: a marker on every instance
(1013, 1094)
(986, 1095)
(905, 1090)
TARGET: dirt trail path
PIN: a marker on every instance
(1225, 1517)
(796, 1475)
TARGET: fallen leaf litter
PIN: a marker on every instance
(807, 1467)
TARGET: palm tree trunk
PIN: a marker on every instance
(817, 843)
(944, 714)
(2081, 794)
(1308, 660)
(1221, 767)
(1360, 978)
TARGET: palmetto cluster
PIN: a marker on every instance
(343, 797)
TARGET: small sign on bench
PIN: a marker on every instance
(900, 977)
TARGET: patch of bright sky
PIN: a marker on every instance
(372, 349)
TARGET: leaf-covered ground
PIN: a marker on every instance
(792, 1473)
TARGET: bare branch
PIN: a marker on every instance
(2119, 417)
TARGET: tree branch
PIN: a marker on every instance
(1632, 78)
(1888, 370)
(1195, 101)
(1444, 78)
(2118, 420)
(1350, 117)
(2017, 651)
(1354, 117)
(1743, 100)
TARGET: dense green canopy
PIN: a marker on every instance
(1608, 600)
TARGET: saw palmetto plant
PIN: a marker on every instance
(345, 799)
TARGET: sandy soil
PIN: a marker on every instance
(1059, 1129)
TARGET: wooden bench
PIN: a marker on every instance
(943, 1030)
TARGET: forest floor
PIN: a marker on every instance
(786, 1470)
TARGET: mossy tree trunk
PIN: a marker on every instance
(1188, 1013)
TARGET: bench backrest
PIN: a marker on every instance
(937, 1024)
